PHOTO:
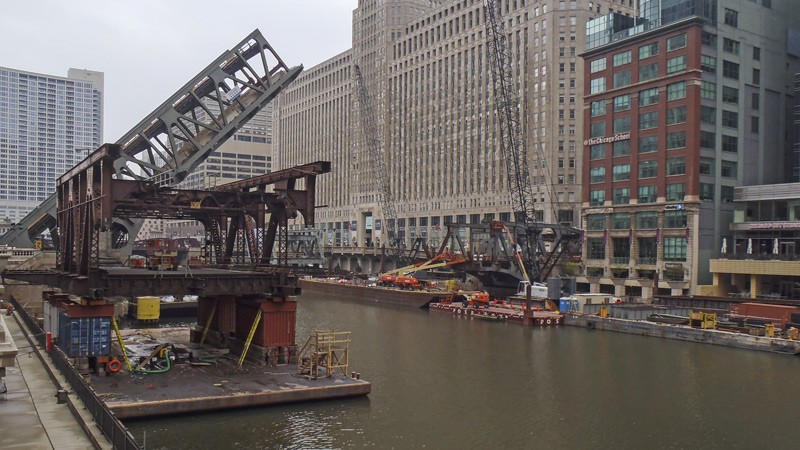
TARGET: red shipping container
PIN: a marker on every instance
(780, 313)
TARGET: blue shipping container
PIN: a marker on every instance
(84, 336)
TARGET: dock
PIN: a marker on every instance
(203, 386)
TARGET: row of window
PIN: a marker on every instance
(645, 220)
(674, 248)
(647, 169)
(675, 192)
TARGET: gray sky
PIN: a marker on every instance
(149, 48)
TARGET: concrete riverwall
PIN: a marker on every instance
(684, 333)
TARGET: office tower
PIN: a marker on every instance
(682, 104)
(47, 125)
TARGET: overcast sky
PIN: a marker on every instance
(150, 48)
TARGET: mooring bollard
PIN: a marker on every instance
(61, 395)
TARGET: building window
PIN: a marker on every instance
(622, 79)
(706, 166)
(730, 46)
(729, 169)
(730, 119)
(707, 191)
(708, 114)
(648, 250)
(622, 103)
(648, 72)
(676, 42)
(648, 120)
(726, 194)
(754, 127)
(621, 148)
(730, 70)
(595, 222)
(622, 250)
(597, 151)
(676, 91)
(675, 219)
(708, 90)
(620, 221)
(598, 129)
(648, 144)
(676, 166)
(676, 139)
(595, 248)
(622, 125)
(676, 115)
(730, 144)
(756, 76)
(709, 39)
(647, 194)
(675, 192)
(647, 220)
(648, 169)
(622, 196)
(755, 101)
(598, 108)
(648, 97)
(621, 58)
(730, 94)
(676, 64)
(598, 85)
(648, 50)
(731, 18)
(621, 172)
(597, 198)
(708, 64)
(597, 174)
(708, 139)
(674, 249)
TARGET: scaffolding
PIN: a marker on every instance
(325, 351)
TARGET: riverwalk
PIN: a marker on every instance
(31, 416)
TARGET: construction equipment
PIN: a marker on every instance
(537, 260)
(402, 279)
(378, 159)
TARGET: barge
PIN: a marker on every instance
(499, 314)
(344, 290)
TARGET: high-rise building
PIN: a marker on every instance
(426, 69)
(47, 125)
(683, 103)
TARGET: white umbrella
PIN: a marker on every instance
(775, 247)
(724, 246)
(749, 246)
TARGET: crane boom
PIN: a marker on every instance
(373, 143)
(512, 144)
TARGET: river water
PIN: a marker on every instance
(444, 382)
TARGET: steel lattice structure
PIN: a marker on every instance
(183, 131)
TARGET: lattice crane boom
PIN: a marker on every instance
(370, 129)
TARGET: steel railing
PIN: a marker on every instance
(116, 432)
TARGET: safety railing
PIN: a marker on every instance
(112, 428)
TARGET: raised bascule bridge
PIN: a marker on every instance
(100, 204)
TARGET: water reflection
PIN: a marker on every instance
(446, 382)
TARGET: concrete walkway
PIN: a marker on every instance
(30, 416)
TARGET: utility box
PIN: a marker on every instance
(148, 308)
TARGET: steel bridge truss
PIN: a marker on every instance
(243, 220)
(181, 133)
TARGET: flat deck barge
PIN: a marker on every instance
(332, 288)
(200, 387)
(500, 314)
